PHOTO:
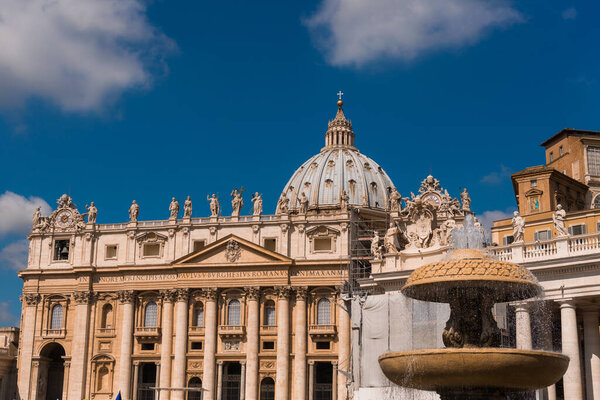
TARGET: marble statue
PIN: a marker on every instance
(376, 248)
(174, 208)
(344, 199)
(237, 202)
(214, 205)
(258, 203)
(37, 215)
(303, 200)
(518, 224)
(390, 240)
(466, 200)
(283, 204)
(187, 207)
(445, 230)
(134, 211)
(92, 213)
(559, 221)
(395, 201)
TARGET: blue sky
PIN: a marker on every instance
(112, 101)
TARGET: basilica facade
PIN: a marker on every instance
(218, 307)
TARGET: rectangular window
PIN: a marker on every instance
(270, 244)
(551, 156)
(533, 182)
(593, 156)
(199, 245)
(576, 230)
(111, 252)
(61, 250)
(196, 346)
(148, 346)
(268, 345)
(322, 244)
(151, 250)
(506, 240)
(323, 345)
(541, 236)
(560, 150)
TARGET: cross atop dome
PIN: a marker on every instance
(339, 132)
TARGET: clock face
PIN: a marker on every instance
(64, 219)
(432, 198)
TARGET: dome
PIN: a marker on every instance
(337, 168)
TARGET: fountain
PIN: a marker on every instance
(472, 366)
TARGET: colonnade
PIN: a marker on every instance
(573, 380)
(174, 374)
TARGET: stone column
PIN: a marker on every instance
(311, 380)
(80, 345)
(591, 340)
(210, 343)
(243, 381)
(334, 380)
(548, 345)
(28, 329)
(136, 374)
(283, 344)
(181, 331)
(523, 321)
(570, 346)
(300, 345)
(344, 354)
(126, 297)
(219, 380)
(252, 346)
(166, 345)
(66, 377)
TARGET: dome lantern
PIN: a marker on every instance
(339, 131)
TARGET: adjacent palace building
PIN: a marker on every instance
(227, 307)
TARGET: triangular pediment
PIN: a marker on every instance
(233, 250)
(533, 192)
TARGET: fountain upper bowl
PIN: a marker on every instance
(442, 369)
(471, 268)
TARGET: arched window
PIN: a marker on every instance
(195, 382)
(597, 202)
(324, 312)
(198, 315)
(234, 313)
(269, 313)
(56, 318)
(267, 389)
(107, 316)
(151, 315)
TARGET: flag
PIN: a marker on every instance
(118, 396)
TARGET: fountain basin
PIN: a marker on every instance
(455, 368)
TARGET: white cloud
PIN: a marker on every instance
(6, 316)
(487, 219)
(356, 32)
(14, 256)
(569, 13)
(75, 53)
(497, 176)
(16, 212)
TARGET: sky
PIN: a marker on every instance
(115, 100)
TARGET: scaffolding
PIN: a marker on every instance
(363, 223)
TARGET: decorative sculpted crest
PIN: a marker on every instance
(64, 218)
(233, 251)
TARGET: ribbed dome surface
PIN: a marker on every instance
(324, 176)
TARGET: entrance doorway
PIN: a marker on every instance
(232, 377)
(267, 389)
(51, 372)
(195, 382)
(323, 381)
(146, 380)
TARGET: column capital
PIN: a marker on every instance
(31, 299)
(283, 292)
(311, 362)
(167, 295)
(567, 303)
(182, 294)
(126, 296)
(210, 293)
(521, 306)
(82, 297)
(301, 292)
(219, 362)
(252, 293)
